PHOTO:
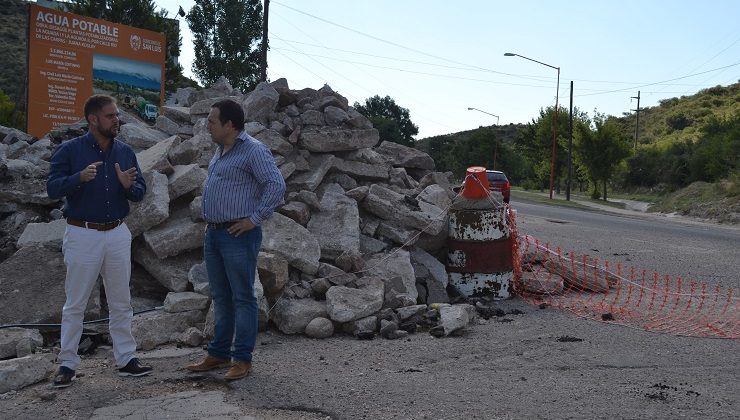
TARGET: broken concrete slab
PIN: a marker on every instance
(45, 234)
(23, 371)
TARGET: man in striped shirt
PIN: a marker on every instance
(243, 188)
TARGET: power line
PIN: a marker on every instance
(386, 41)
(396, 59)
(596, 91)
(664, 81)
(369, 74)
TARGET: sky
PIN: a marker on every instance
(439, 58)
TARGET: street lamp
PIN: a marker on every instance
(495, 141)
(555, 121)
(476, 109)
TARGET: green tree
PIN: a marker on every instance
(534, 143)
(600, 151)
(227, 38)
(140, 14)
(392, 121)
(9, 115)
(717, 153)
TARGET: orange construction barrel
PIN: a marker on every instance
(476, 183)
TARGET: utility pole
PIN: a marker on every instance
(570, 145)
(637, 125)
(263, 58)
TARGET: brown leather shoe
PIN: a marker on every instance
(209, 363)
(238, 370)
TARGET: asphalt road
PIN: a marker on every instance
(674, 246)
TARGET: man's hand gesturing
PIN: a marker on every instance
(127, 177)
(90, 171)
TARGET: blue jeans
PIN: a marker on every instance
(231, 263)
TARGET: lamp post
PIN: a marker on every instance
(476, 109)
(495, 141)
(555, 121)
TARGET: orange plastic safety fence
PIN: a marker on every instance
(635, 298)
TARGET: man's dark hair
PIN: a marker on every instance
(229, 110)
(95, 104)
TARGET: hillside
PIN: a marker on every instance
(679, 119)
(13, 39)
(674, 120)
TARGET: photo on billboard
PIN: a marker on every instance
(126, 79)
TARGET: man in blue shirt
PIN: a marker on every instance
(97, 175)
(243, 188)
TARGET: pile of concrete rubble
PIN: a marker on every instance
(356, 248)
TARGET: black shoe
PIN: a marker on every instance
(64, 377)
(134, 368)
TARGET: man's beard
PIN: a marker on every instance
(110, 133)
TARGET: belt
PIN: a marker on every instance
(222, 225)
(97, 226)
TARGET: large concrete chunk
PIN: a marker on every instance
(293, 315)
(186, 152)
(198, 279)
(453, 319)
(346, 304)
(407, 157)
(360, 170)
(26, 191)
(172, 273)
(155, 328)
(395, 264)
(428, 218)
(397, 233)
(260, 104)
(184, 179)
(154, 208)
(185, 301)
(383, 202)
(140, 137)
(11, 338)
(175, 236)
(273, 272)
(32, 287)
(432, 273)
(50, 234)
(335, 116)
(296, 210)
(392, 206)
(436, 195)
(328, 140)
(203, 106)
(155, 157)
(337, 227)
(284, 237)
(167, 125)
(178, 114)
(274, 141)
(21, 372)
(309, 180)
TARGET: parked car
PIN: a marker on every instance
(497, 181)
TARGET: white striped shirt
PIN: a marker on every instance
(242, 183)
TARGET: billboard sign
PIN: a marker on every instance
(71, 57)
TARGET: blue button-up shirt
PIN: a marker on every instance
(242, 183)
(103, 198)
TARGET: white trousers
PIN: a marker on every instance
(87, 253)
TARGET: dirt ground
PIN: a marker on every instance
(538, 363)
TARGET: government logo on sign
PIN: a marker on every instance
(135, 42)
